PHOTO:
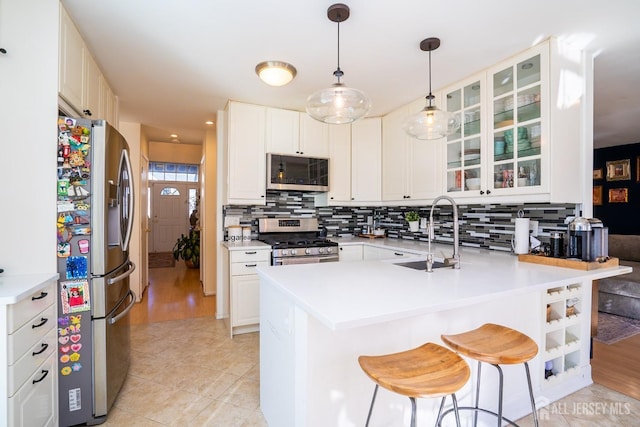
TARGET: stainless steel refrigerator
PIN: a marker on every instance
(94, 222)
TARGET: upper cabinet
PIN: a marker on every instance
(339, 164)
(523, 121)
(80, 81)
(291, 132)
(410, 167)
(245, 151)
(366, 154)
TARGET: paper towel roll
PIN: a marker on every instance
(521, 236)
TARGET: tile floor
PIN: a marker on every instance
(190, 373)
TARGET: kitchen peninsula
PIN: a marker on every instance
(316, 319)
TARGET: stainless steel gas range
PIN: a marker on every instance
(296, 241)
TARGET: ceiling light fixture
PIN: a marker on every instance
(275, 73)
(431, 122)
(338, 104)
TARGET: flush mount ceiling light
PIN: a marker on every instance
(338, 104)
(431, 122)
(275, 73)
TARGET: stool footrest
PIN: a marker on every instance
(486, 411)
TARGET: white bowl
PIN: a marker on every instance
(473, 183)
(378, 232)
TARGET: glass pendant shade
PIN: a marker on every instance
(338, 104)
(431, 123)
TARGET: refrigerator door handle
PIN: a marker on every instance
(127, 273)
(127, 236)
(126, 310)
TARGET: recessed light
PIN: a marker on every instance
(173, 135)
(275, 73)
(208, 122)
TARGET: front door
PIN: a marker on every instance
(170, 215)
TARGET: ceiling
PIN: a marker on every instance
(173, 64)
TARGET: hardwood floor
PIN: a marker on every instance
(615, 366)
(173, 293)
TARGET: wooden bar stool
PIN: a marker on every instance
(496, 345)
(426, 371)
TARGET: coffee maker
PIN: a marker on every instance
(587, 239)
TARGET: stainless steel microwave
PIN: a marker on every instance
(286, 172)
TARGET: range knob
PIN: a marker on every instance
(321, 250)
(294, 251)
(307, 251)
(329, 250)
(284, 252)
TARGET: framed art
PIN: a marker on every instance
(598, 174)
(618, 195)
(619, 170)
(597, 195)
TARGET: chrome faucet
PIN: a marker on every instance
(454, 260)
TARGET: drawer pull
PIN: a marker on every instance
(398, 253)
(42, 295)
(44, 375)
(251, 253)
(42, 349)
(43, 320)
(251, 265)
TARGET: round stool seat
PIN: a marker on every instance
(426, 371)
(494, 344)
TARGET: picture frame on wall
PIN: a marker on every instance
(618, 195)
(619, 170)
(597, 195)
(598, 173)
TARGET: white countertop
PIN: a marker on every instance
(352, 294)
(250, 245)
(13, 288)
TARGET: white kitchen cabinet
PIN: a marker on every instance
(520, 133)
(108, 103)
(245, 154)
(350, 252)
(564, 332)
(410, 167)
(93, 82)
(71, 53)
(366, 165)
(314, 137)
(339, 164)
(377, 253)
(244, 285)
(28, 377)
(282, 129)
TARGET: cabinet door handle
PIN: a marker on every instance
(251, 265)
(42, 295)
(44, 375)
(398, 253)
(341, 248)
(43, 320)
(488, 191)
(42, 349)
(251, 253)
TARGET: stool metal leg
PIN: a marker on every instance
(475, 413)
(455, 409)
(533, 402)
(413, 411)
(373, 399)
(500, 389)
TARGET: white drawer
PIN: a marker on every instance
(29, 362)
(21, 312)
(248, 267)
(30, 333)
(250, 255)
(35, 403)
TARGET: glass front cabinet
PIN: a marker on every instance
(522, 129)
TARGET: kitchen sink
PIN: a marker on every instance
(421, 265)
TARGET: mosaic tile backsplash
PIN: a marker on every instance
(489, 226)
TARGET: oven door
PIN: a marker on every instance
(306, 259)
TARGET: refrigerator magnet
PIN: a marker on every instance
(83, 246)
(63, 187)
(64, 250)
(77, 267)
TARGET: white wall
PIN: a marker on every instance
(28, 115)
(209, 215)
(175, 153)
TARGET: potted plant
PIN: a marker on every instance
(188, 248)
(413, 219)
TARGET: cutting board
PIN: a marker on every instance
(568, 263)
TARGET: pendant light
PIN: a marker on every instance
(338, 104)
(431, 122)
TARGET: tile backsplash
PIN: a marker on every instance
(489, 226)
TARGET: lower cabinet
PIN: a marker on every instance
(350, 252)
(28, 373)
(244, 292)
(377, 253)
